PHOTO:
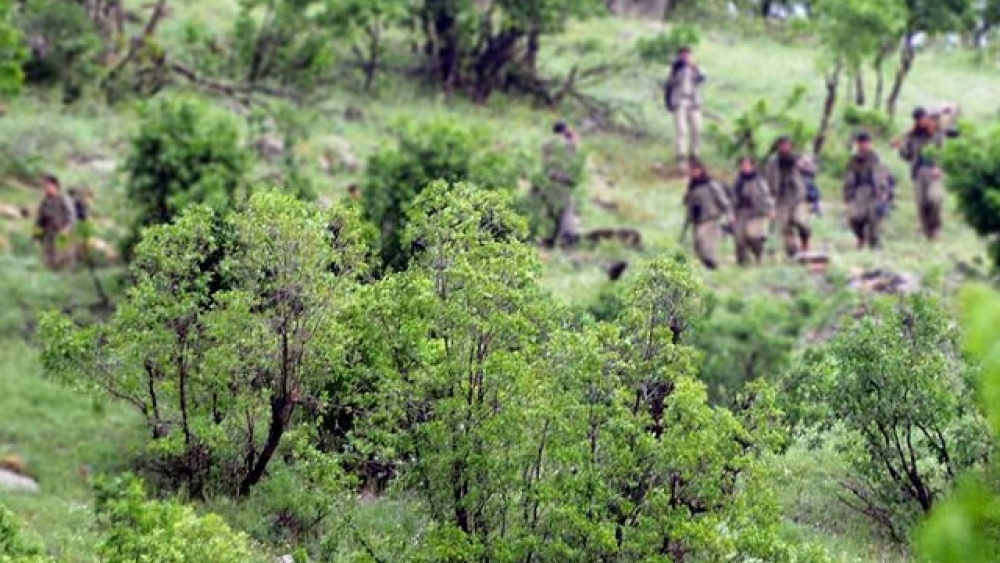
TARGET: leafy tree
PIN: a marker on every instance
(972, 163)
(896, 384)
(137, 529)
(436, 150)
(746, 339)
(291, 43)
(65, 45)
(12, 51)
(930, 17)
(963, 527)
(531, 433)
(742, 136)
(853, 33)
(185, 152)
(662, 48)
(477, 48)
(365, 23)
(220, 369)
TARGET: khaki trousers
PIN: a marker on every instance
(687, 126)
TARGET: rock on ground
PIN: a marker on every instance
(10, 481)
(883, 281)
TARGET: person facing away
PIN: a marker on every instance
(924, 172)
(683, 99)
(55, 217)
(707, 205)
(562, 170)
(865, 189)
(784, 175)
(753, 208)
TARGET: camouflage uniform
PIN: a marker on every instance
(706, 203)
(926, 176)
(753, 205)
(55, 219)
(683, 99)
(554, 192)
(783, 175)
(866, 185)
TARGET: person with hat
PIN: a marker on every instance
(784, 176)
(925, 174)
(54, 220)
(554, 191)
(707, 207)
(753, 209)
(866, 187)
(683, 99)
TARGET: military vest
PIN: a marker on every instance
(562, 162)
(706, 202)
(753, 195)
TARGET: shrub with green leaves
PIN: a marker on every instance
(897, 385)
(65, 45)
(972, 165)
(745, 339)
(964, 526)
(661, 49)
(186, 152)
(528, 432)
(425, 152)
(227, 341)
(14, 547)
(136, 529)
(285, 42)
(12, 51)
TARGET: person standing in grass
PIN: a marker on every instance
(866, 188)
(753, 211)
(784, 175)
(554, 191)
(925, 174)
(54, 221)
(683, 99)
(707, 207)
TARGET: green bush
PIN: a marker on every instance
(65, 45)
(874, 121)
(12, 51)
(896, 384)
(662, 48)
(435, 150)
(972, 164)
(748, 339)
(136, 529)
(14, 547)
(185, 152)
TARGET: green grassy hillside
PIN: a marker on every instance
(62, 434)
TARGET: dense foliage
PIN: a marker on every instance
(964, 526)
(972, 163)
(186, 152)
(134, 528)
(12, 51)
(896, 384)
(221, 368)
(425, 152)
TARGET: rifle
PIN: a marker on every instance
(684, 229)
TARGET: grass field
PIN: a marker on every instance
(59, 431)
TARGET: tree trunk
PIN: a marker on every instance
(859, 88)
(832, 83)
(281, 413)
(765, 8)
(879, 79)
(491, 63)
(907, 54)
